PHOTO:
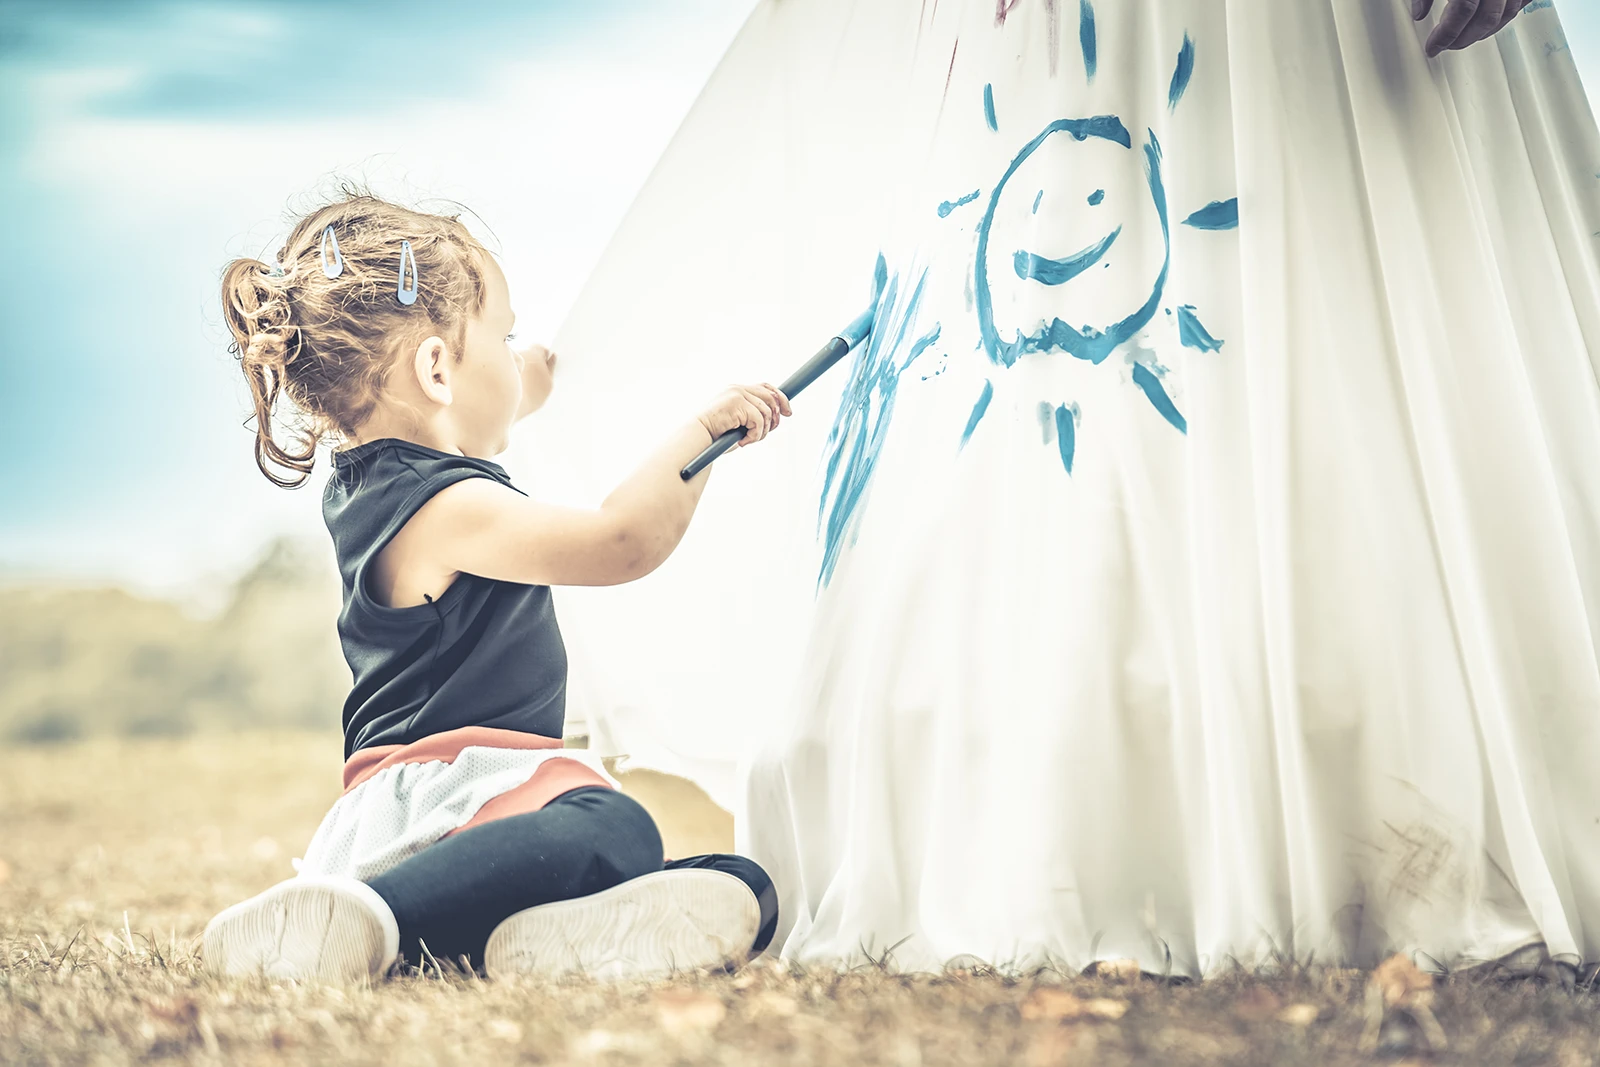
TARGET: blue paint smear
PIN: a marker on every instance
(1036, 201)
(1047, 421)
(1158, 396)
(950, 205)
(1539, 5)
(1096, 197)
(1184, 71)
(1088, 343)
(1217, 215)
(988, 107)
(1059, 271)
(865, 410)
(1193, 334)
(1086, 37)
(1066, 436)
(978, 411)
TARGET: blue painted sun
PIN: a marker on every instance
(865, 410)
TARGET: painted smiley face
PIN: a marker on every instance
(1021, 280)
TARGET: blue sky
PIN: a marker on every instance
(144, 142)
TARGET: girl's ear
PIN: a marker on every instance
(432, 366)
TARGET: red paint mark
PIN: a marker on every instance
(952, 69)
(1002, 8)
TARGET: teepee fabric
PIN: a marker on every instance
(1199, 563)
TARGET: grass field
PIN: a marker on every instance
(114, 853)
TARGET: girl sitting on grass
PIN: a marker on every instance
(465, 831)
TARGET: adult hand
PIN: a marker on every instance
(1465, 22)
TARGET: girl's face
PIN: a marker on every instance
(487, 383)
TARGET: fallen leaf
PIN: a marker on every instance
(1402, 982)
(504, 1030)
(1299, 1014)
(683, 1011)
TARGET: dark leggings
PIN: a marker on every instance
(452, 895)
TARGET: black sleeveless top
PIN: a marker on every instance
(486, 653)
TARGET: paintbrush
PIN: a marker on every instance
(829, 354)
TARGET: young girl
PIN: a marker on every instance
(465, 831)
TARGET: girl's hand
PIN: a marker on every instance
(538, 364)
(1466, 22)
(755, 407)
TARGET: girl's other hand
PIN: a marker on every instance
(757, 408)
(538, 366)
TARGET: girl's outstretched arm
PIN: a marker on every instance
(481, 527)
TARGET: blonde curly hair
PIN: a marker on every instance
(327, 344)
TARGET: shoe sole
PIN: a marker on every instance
(304, 928)
(648, 927)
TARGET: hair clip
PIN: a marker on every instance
(336, 268)
(407, 296)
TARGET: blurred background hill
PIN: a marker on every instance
(79, 661)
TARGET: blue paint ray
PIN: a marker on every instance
(1086, 37)
(1184, 71)
(988, 107)
(866, 409)
(978, 411)
(947, 206)
(1088, 343)
(1036, 200)
(1217, 215)
(1096, 197)
(1193, 334)
(1144, 379)
(1066, 436)
(1059, 271)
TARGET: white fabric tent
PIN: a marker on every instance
(1210, 531)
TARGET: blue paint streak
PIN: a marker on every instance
(1066, 436)
(978, 411)
(1096, 197)
(1087, 344)
(1217, 215)
(948, 206)
(988, 107)
(1047, 421)
(1036, 201)
(1158, 396)
(1539, 5)
(865, 410)
(1193, 334)
(1059, 271)
(1184, 71)
(1086, 37)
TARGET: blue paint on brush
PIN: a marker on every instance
(1144, 379)
(1086, 37)
(947, 206)
(978, 411)
(1096, 197)
(1036, 200)
(1184, 71)
(1088, 343)
(1217, 215)
(1060, 271)
(1193, 334)
(1066, 436)
(865, 410)
(988, 107)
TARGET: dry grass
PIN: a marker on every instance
(115, 853)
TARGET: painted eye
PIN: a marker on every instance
(510, 337)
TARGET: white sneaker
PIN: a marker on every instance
(329, 928)
(647, 927)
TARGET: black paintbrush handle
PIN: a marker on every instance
(814, 368)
